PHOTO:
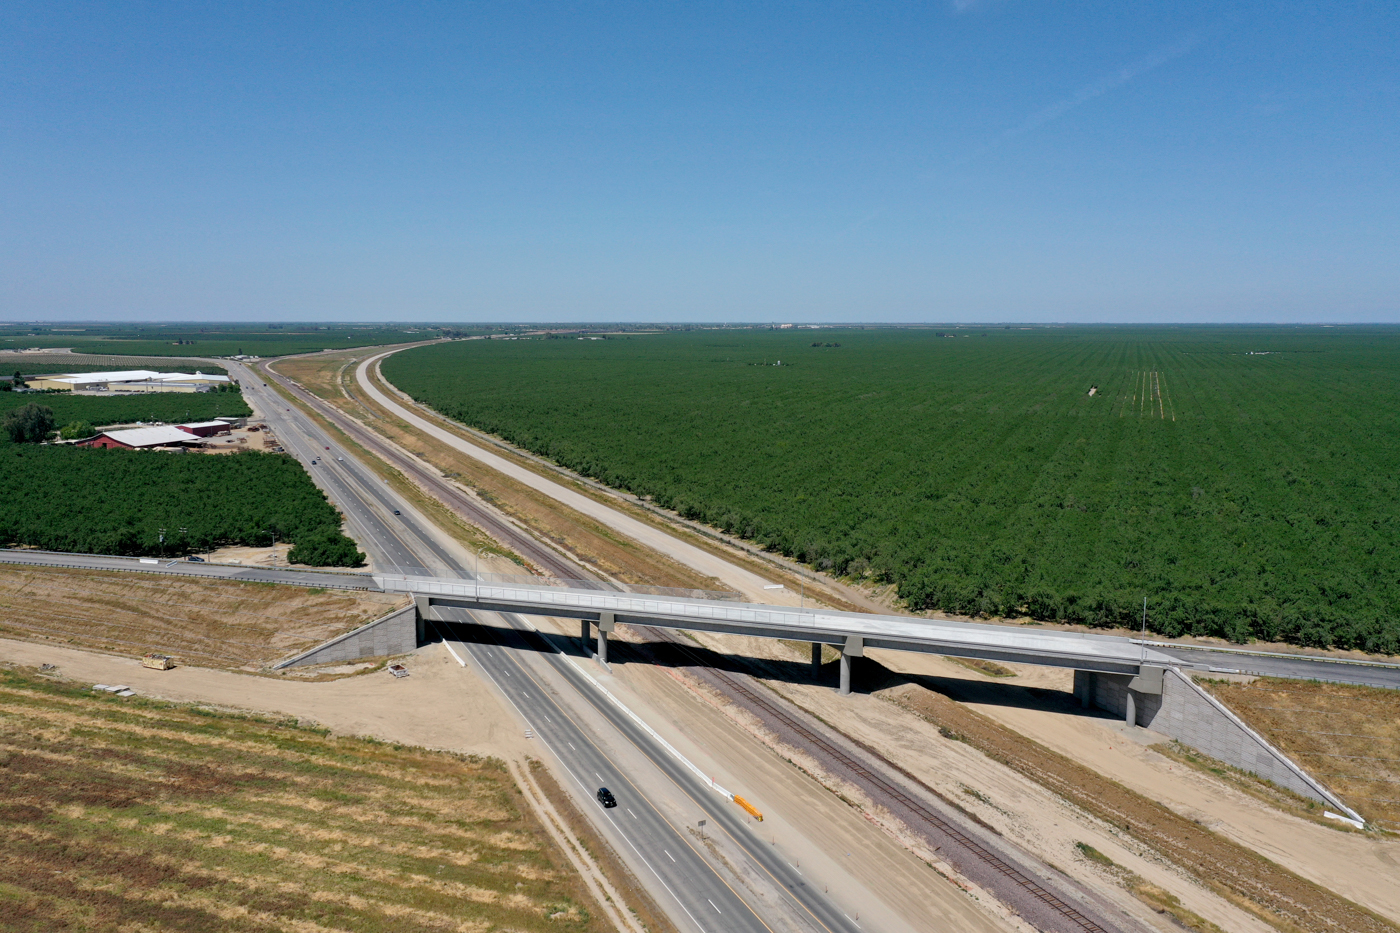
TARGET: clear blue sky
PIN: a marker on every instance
(944, 161)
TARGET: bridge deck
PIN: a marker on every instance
(851, 630)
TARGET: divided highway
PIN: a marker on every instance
(401, 544)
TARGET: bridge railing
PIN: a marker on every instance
(642, 589)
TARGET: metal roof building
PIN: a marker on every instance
(138, 438)
(130, 380)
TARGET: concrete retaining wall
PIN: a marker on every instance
(399, 632)
(1187, 713)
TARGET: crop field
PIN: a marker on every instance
(98, 410)
(1346, 736)
(209, 623)
(1245, 480)
(124, 814)
(64, 498)
(216, 339)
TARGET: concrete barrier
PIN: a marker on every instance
(399, 632)
(1167, 700)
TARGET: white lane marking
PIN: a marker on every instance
(718, 911)
(597, 775)
(848, 917)
(795, 868)
(632, 845)
(629, 810)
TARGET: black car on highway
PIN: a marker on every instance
(606, 798)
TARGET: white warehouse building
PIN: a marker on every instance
(131, 380)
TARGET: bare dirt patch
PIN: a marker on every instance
(188, 819)
(214, 623)
(1272, 892)
(1346, 736)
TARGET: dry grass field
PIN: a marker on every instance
(212, 623)
(1346, 736)
(131, 815)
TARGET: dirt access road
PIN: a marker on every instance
(750, 584)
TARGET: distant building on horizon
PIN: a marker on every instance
(130, 380)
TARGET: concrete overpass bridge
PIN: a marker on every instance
(1139, 667)
(1124, 676)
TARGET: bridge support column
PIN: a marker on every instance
(585, 634)
(1130, 711)
(1084, 686)
(605, 625)
(854, 648)
(816, 657)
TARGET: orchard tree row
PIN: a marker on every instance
(1245, 480)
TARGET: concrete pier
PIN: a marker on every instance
(605, 625)
(853, 648)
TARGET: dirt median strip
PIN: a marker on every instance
(1272, 892)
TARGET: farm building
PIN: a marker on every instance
(130, 380)
(205, 428)
(141, 438)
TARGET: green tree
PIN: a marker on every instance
(29, 424)
(74, 430)
(326, 547)
(18, 380)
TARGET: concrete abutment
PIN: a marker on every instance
(1167, 700)
(399, 632)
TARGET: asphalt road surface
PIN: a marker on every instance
(393, 542)
(707, 900)
(1301, 667)
(182, 567)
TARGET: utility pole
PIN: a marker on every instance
(1144, 628)
(162, 544)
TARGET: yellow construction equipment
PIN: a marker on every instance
(752, 810)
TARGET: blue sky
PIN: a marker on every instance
(1001, 160)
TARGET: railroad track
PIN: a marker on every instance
(888, 789)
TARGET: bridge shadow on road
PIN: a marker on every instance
(666, 648)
